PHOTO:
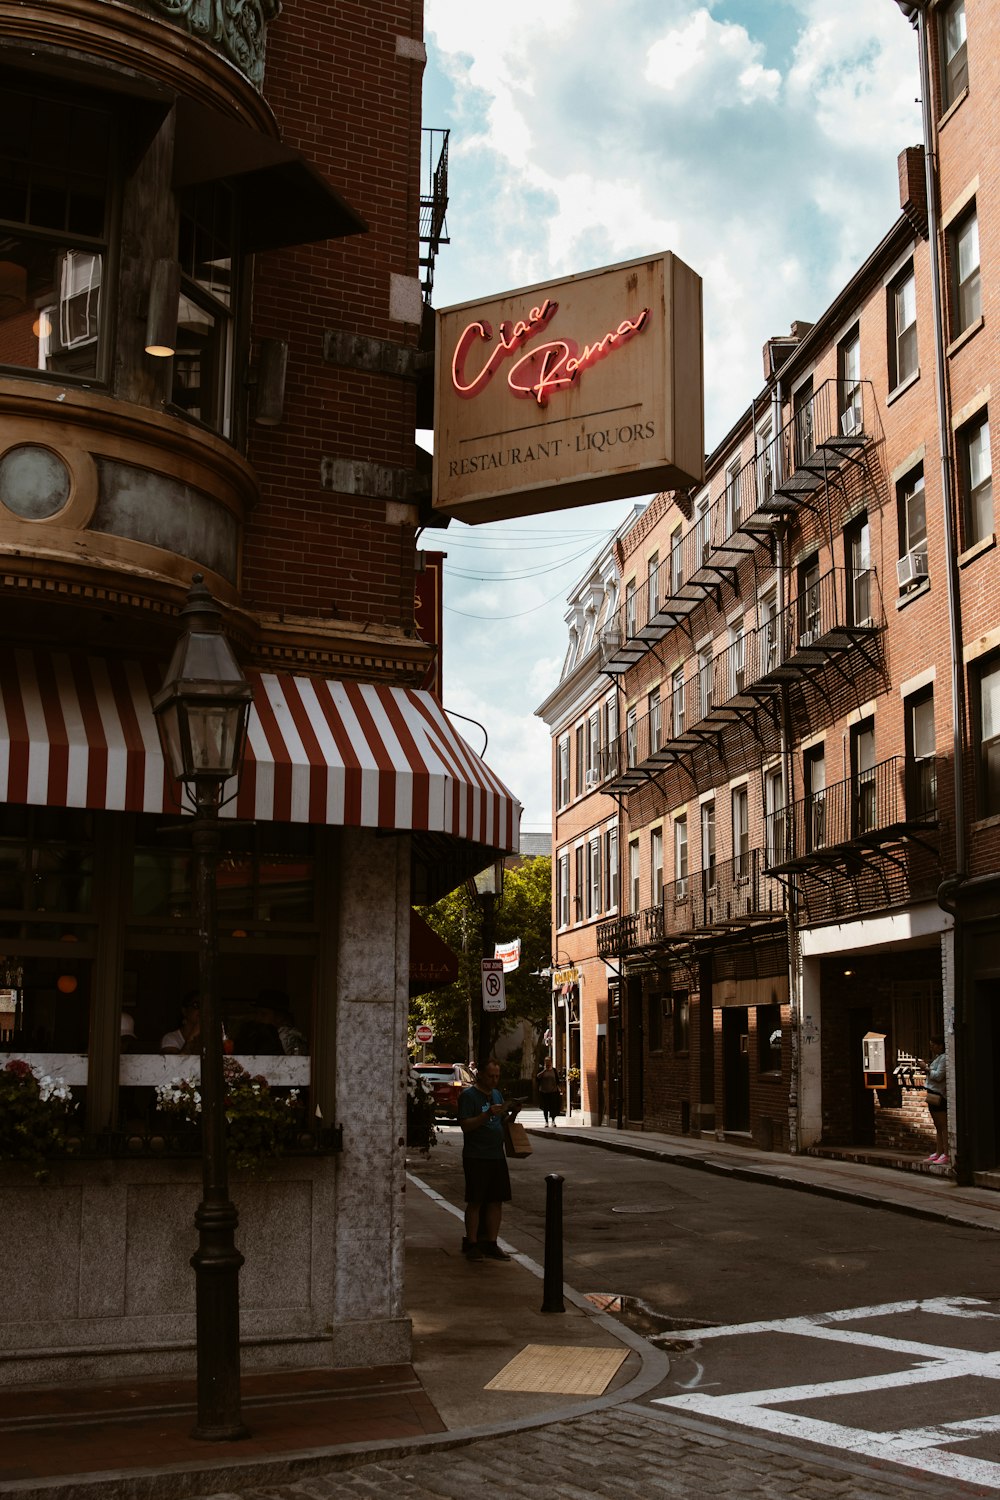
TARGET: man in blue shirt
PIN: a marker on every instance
(481, 1110)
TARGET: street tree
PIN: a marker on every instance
(526, 913)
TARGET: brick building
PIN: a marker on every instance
(211, 359)
(805, 655)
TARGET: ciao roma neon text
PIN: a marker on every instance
(546, 368)
(512, 337)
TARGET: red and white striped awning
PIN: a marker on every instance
(78, 731)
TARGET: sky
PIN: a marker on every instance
(756, 139)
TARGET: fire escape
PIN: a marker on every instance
(831, 621)
(433, 203)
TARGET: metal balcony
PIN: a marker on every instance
(879, 807)
(629, 933)
(820, 624)
(732, 894)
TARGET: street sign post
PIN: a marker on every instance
(494, 996)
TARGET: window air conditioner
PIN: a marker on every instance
(593, 777)
(911, 568)
(850, 422)
(807, 637)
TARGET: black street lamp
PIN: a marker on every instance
(201, 713)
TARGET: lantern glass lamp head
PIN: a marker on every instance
(204, 703)
(489, 882)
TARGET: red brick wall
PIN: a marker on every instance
(344, 97)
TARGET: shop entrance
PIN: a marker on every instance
(736, 1068)
(862, 1099)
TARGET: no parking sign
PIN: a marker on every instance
(494, 995)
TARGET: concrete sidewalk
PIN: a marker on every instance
(469, 1321)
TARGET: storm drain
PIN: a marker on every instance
(560, 1368)
(641, 1318)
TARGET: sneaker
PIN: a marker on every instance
(490, 1250)
(942, 1160)
(473, 1252)
(929, 1160)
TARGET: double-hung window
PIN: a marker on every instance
(562, 771)
(681, 856)
(902, 311)
(921, 763)
(708, 847)
(676, 561)
(989, 736)
(741, 833)
(55, 199)
(966, 284)
(633, 874)
(656, 866)
(912, 508)
(611, 867)
(954, 52)
(562, 890)
(976, 478)
(594, 875)
(677, 703)
(849, 383)
(733, 507)
(655, 721)
(632, 737)
(653, 585)
(705, 679)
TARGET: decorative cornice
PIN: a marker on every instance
(236, 28)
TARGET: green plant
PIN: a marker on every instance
(259, 1122)
(34, 1112)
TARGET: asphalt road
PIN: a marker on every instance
(701, 1249)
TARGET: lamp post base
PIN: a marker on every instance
(216, 1264)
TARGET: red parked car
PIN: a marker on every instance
(447, 1080)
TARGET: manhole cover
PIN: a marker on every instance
(642, 1208)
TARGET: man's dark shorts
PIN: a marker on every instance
(486, 1181)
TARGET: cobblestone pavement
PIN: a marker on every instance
(622, 1450)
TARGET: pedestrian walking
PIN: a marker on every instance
(547, 1083)
(481, 1112)
(937, 1100)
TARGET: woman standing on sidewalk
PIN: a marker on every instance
(548, 1092)
(937, 1100)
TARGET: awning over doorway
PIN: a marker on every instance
(78, 731)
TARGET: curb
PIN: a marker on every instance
(775, 1178)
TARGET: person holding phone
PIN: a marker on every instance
(481, 1111)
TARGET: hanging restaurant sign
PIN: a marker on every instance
(570, 392)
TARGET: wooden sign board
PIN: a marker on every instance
(570, 392)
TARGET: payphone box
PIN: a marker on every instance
(873, 1059)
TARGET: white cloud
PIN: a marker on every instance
(700, 62)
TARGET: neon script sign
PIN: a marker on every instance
(543, 369)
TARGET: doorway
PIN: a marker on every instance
(736, 1068)
(862, 1099)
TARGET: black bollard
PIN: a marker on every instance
(552, 1286)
